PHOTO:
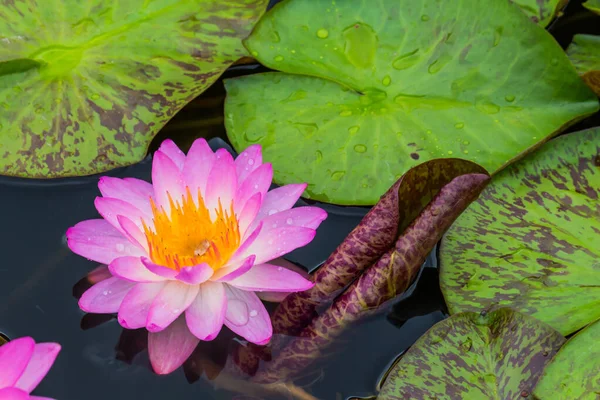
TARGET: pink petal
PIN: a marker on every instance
(41, 361)
(248, 161)
(14, 357)
(222, 182)
(132, 269)
(249, 212)
(198, 164)
(11, 393)
(206, 314)
(267, 277)
(169, 348)
(278, 297)
(99, 241)
(130, 190)
(228, 273)
(160, 270)
(242, 251)
(39, 398)
(167, 180)
(306, 217)
(196, 274)
(133, 233)
(170, 149)
(276, 242)
(257, 329)
(134, 309)
(105, 297)
(258, 181)
(111, 208)
(279, 199)
(172, 300)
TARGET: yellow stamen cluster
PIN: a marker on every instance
(189, 236)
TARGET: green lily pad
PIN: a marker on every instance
(541, 12)
(592, 5)
(496, 356)
(574, 373)
(395, 84)
(584, 53)
(85, 85)
(531, 240)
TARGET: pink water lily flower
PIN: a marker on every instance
(189, 251)
(23, 364)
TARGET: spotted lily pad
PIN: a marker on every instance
(531, 240)
(592, 5)
(541, 12)
(574, 373)
(584, 53)
(372, 90)
(85, 85)
(497, 356)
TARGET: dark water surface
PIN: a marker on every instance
(38, 277)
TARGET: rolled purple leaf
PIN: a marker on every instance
(391, 275)
(375, 235)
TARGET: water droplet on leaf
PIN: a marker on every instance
(360, 148)
(322, 33)
(353, 129)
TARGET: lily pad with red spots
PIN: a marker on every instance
(85, 85)
(584, 53)
(497, 356)
(574, 373)
(542, 12)
(370, 89)
(532, 240)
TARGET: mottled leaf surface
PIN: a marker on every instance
(542, 12)
(592, 5)
(574, 373)
(531, 241)
(85, 85)
(584, 53)
(497, 356)
(388, 277)
(372, 88)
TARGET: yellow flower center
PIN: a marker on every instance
(189, 236)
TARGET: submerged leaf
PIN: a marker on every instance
(388, 277)
(530, 242)
(367, 95)
(85, 85)
(584, 53)
(542, 12)
(497, 356)
(574, 373)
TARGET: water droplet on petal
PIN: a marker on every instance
(279, 269)
(176, 311)
(253, 313)
(251, 161)
(237, 312)
(270, 241)
(289, 221)
(273, 211)
(105, 293)
(120, 247)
